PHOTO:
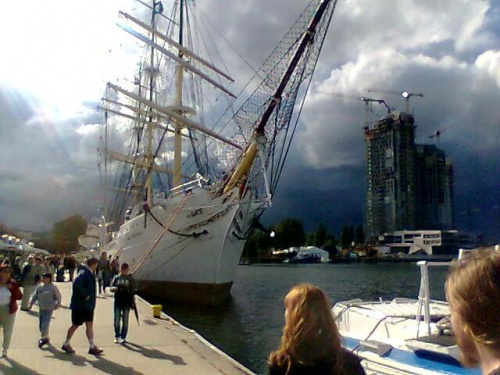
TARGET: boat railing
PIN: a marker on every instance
(424, 298)
(189, 185)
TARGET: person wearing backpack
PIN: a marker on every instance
(125, 288)
(30, 277)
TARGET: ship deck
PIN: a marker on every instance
(156, 346)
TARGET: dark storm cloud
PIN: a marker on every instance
(332, 196)
(442, 52)
(459, 98)
(448, 52)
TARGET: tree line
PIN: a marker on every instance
(291, 233)
(62, 238)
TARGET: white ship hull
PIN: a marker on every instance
(193, 256)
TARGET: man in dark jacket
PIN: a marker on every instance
(71, 264)
(124, 287)
(82, 306)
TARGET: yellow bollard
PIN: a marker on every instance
(156, 310)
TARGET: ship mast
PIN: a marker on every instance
(252, 150)
(149, 132)
(178, 105)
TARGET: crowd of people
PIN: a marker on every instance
(310, 343)
(30, 280)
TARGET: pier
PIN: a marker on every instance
(156, 346)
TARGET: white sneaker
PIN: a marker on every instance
(122, 341)
(117, 340)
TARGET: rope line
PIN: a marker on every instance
(161, 233)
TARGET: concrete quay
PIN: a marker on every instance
(156, 346)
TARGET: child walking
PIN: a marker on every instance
(49, 299)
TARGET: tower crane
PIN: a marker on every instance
(405, 94)
(364, 99)
(437, 134)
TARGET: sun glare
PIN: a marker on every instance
(61, 52)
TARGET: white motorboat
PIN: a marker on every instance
(402, 336)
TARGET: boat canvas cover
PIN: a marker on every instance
(312, 251)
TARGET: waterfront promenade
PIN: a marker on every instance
(157, 346)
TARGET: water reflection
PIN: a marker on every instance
(249, 325)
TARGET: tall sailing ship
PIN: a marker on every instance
(188, 166)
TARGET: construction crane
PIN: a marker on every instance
(437, 134)
(364, 99)
(405, 94)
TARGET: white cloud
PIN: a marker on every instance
(489, 63)
(454, 91)
(88, 129)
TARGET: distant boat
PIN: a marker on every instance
(310, 254)
(194, 173)
(19, 246)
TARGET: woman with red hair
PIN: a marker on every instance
(311, 343)
(473, 293)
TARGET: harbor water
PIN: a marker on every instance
(249, 326)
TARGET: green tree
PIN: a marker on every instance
(320, 236)
(360, 236)
(43, 241)
(345, 238)
(6, 230)
(310, 239)
(250, 250)
(64, 234)
(290, 232)
(331, 245)
(258, 244)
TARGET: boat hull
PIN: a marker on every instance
(403, 362)
(389, 338)
(187, 249)
(189, 293)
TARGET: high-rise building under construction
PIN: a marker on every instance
(434, 188)
(390, 155)
(408, 186)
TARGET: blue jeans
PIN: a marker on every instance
(44, 317)
(121, 316)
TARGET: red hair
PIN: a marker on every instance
(473, 290)
(310, 334)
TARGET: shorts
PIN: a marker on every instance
(80, 316)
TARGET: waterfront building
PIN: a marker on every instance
(391, 180)
(426, 242)
(410, 242)
(435, 188)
